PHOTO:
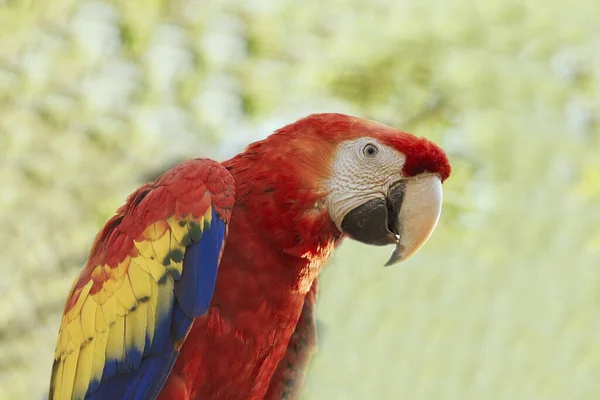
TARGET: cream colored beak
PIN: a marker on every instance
(420, 208)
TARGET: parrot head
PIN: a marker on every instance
(386, 188)
(376, 184)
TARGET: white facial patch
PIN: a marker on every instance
(363, 169)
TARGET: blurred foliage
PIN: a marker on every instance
(95, 96)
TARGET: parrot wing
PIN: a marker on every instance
(151, 271)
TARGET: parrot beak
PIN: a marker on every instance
(406, 217)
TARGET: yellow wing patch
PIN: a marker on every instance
(123, 314)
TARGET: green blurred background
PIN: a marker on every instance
(97, 97)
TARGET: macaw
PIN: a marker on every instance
(203, 285)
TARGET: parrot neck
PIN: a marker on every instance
(286, 213)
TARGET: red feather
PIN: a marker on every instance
(257, 337)
(280, 237)
(132, 218)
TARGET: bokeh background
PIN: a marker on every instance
(97, 97)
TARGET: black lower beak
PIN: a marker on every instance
(376, 222)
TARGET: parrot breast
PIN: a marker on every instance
(274, 252)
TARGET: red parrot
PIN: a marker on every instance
(165, 308)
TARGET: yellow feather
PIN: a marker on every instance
(121, 310)
(140, 281)
(141, 262)
(151, 304)
(162, 247)
(71, 345)
(64, 340)
(100, 296)
(208, 216)
(100, 323)
(99, 356)
(58, 349)
(156, 230)
(76, 333)
(110, 285)
(84, 370)
(178, 232)
(151, 266)
(115, 342)
(68, 376)
(125, 295)
(88, 318)
(98, 275)
(135, 335)
(109, 311)
(165, 298)
(144, 248)
(122, 267)
(175, 268)
(56, 382)
(76, 310)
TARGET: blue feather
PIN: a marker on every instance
(162, 331)
(140, 377)
(200, 266)
(155, 375)
(180, 325)
(146, 381)
(110, 368)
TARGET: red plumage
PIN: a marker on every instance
(258, 335)
(186, 182)
(151, 268)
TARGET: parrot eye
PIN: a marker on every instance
(370, 150)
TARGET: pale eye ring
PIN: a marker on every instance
(370, 150)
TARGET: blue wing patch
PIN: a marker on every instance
(195, 289)
(141, 377)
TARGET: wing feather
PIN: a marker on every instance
(84, 367)
(151, 271)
